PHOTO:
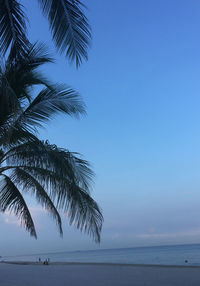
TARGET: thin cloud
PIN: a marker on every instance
(166, 235)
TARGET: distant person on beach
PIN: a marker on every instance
(46, 262)
(39, 259)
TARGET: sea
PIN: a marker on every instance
(188, 255)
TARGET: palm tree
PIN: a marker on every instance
(59, 179)
(67, 22)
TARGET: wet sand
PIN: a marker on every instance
(75, 274)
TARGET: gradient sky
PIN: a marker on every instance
(141, 86)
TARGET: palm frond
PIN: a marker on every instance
(16, 79)
(12, 200)
(30, 184)
(63, 163)
(35, 56)
(47, 104)
(12, 27)
(65, 177)
(1, 157)
(82, 211)
(69, 27)
(11, 136)
(21, 74)
(9, 103)
(20, 83)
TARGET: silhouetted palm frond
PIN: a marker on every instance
(17, 76)
(40, 167)
(50, 102)
(22, 73)
(12, 27)
(68, 24)
(30, 184)
(12, 200)
(43, 108)
(20, 112)
(69, 27)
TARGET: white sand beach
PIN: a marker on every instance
(97, 275)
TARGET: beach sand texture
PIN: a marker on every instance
(97, 275)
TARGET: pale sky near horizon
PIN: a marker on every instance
(141, 86)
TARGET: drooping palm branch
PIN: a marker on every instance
(59, 180)
(67, 21)
(12, 200)
(69, 27)
(12, 27)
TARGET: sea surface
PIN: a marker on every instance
(165, 255)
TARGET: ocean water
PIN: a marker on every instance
(165, 255)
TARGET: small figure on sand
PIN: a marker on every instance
(46, 262)
(39, 259)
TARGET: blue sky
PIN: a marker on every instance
(141, 86)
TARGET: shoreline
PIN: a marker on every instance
(97, 264)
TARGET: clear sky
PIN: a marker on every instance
(141, 86)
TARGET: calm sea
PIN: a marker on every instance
(167, 255)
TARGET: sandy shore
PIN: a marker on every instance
(62, 274)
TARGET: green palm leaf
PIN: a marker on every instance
(69, 27)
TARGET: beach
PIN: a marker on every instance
(99, 274)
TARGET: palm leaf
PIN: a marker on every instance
(9, 103)
(82, 210)
(35, 56)
(12, 27)
(21, 74)
(48, 103)
(17, 77)
(69, 27)
(11, 136)
(12, 200)
(63, 163)
(30, 184)
(66, 179)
